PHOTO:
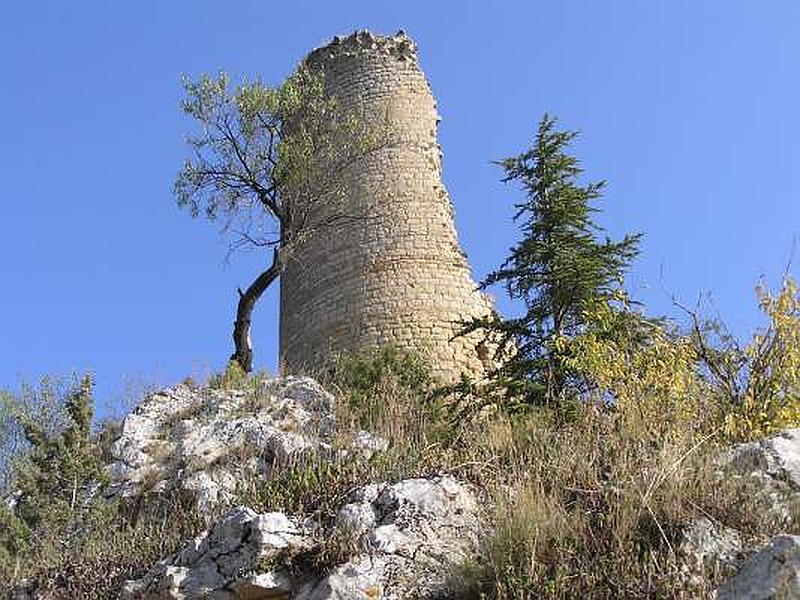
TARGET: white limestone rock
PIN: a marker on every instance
(771, 574)
(408, 536)
(774, 466)
(205, 441)
(710, 547)
(777, 457)
(367, 444)
(358, 579)
(219, 563)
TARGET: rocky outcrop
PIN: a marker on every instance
(773, 464)
(388, 541)
(204, 442)
(407, 537)
(771, 574)
(220, 560)
(709, 547)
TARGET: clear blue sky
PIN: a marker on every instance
(689, 109)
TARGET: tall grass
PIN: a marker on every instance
(590, 507)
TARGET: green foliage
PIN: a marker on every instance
(11, 438)
(361, 374)
(233, 377)
(45, 402)
(259, 146)
(556, 270)
(272, 162)
(57, 479)
(643, 372)
(310, 487)
(703, 381)
(388, 391)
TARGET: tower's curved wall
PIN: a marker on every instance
(392, 272)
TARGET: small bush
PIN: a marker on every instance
(388, 392)
(57, 480)
(233, 377)
(765, 392)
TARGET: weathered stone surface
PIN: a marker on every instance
(205, 442)
(406, 539)
(219, 562)
(777, 457)
(366, 444)
(774, 465)
(771, 574)
(710, 547)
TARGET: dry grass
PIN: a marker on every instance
(125, 542)
(591, 508)
(594, 507)
(588, 510)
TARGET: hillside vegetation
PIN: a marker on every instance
(591, 502)
(595, 442)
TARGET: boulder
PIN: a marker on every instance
(774, 466)
(771, 467)
(712, 546)
(220, 562)
(408, 538)
(399, 540)
(777, 457)
(771, 574)
(206, 442)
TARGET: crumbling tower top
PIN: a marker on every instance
(398, 45)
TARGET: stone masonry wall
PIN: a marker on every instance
(398, 276)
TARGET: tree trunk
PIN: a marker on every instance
(243, 353)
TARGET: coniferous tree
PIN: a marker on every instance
(56, 479)
(558, 269)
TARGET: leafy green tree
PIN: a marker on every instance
(558, 269)
(56, 478)
(270, 162)
(42, 404)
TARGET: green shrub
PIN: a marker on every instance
(233, 377)
(57, 480)
(386, 391)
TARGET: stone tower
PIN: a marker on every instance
(398, 277)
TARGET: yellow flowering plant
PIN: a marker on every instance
(770, 396)
(638, 369)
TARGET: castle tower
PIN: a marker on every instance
(399, 276)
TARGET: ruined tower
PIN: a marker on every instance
(398, 277)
